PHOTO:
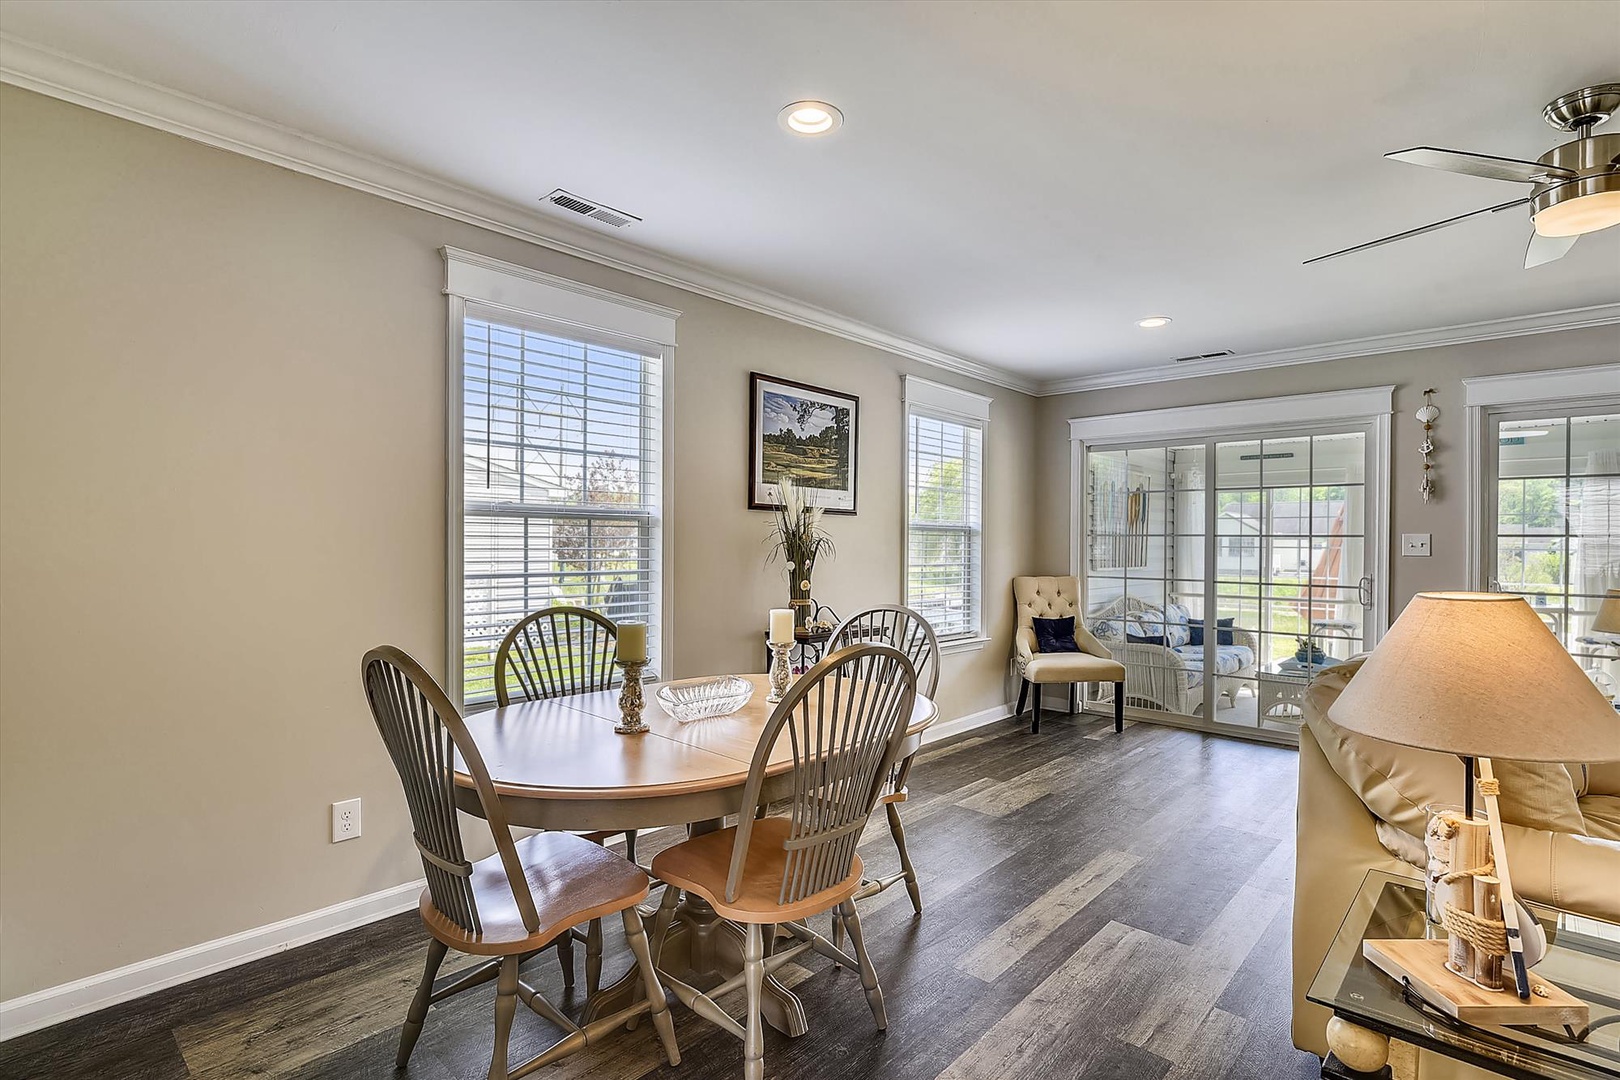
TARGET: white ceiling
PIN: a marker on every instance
(1015, 183)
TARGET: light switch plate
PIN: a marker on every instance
(1416, 544)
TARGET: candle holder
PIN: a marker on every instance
(630, 699)
(781, 672)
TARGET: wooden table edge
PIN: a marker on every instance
(716, 782)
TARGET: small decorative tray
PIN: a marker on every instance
(699, 700)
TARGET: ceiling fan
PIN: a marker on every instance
(1576, 186)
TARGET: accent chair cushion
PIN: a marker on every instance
(1075, 667)
(1229, 659)
(1055, 635)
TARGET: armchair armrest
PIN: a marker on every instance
(1024, 643)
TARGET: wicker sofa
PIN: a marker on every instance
(1169, 676)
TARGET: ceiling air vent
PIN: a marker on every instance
(567, 200)
(1202, 356)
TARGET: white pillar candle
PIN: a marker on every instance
(781, 625)
(632, 643)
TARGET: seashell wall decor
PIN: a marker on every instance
(1428, 414)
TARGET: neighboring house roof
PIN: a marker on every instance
(1288, 518)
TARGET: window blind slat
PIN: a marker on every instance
(560, 484)
(944, 476)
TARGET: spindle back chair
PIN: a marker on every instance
(843, 723)
(488, 908)
(557, 652)
(899, 628)
(845, 720)
(423, 732)
(912, 634)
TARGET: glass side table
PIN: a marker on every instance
(1583, 957)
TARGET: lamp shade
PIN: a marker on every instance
(1480, 675)
(1608, 614)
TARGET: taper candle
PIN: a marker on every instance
(632, 643)
(781, 625)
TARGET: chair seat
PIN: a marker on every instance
(700, 866)
(573, 881)
(1073, 668)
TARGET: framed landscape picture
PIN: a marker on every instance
(804, 432)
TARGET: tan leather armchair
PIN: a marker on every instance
(1362, 807)
(1059, 598)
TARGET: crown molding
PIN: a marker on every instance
(45, 71)
(1461, 334)
(54, 74)
(1250, 414)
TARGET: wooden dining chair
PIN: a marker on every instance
(512, 904)
(906, 630)
(558, 652)
(843, 721)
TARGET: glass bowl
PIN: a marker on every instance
(689, 701)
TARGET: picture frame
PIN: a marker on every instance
(808, 432)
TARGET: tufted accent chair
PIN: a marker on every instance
(1059, 598)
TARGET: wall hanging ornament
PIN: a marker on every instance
(1428, 415)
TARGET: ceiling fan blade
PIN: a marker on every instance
(1419, 230)
(1546, 249)
(1484, 165)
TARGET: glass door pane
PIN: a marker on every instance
(1144, 566)
(1291, 536)
(1557, 526)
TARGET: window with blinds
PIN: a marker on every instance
(944, 473)
(560, 480)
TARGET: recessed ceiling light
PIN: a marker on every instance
(1153, 322)
(811, 118)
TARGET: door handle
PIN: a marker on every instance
(1364, 591)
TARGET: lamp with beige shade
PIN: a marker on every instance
(1607, 620)
(1479, 675)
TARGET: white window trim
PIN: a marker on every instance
(1560, 388)
(1333, 406)
(487, 281)
(927, 398)
(1371, 405)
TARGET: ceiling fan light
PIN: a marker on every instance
(1576, 217)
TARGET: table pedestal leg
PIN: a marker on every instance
(702, 948)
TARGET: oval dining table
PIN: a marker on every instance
(558, 764)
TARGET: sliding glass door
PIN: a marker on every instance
(1145, 556)
(1226, 572)
(1290, 569)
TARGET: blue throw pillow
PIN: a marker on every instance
(1055, 635)
(1145, 639)
(1223, 631)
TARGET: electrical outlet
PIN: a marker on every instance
(345, 820)
(1416, 544)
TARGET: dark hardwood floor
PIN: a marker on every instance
(1098, 904)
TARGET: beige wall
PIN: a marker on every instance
(1409, 372)
(222, 479)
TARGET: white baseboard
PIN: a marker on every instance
(33, 1011)
(948, 728)
(58, 1003)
